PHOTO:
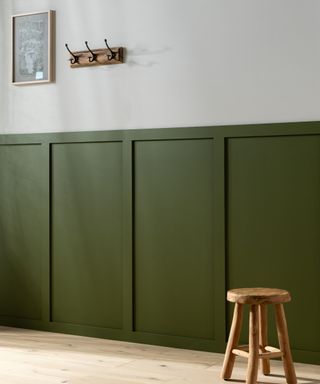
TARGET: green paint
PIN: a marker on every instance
(20, 231)
(135, 235)
(86, 256)
(174, 260)
(274, 222)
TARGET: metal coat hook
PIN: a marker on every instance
(93, 55)
(75, 58)
(113, 54)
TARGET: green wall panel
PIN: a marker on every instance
(86, 240)
(173, 228)
(135, 234)
(273, 226)
(21, 208)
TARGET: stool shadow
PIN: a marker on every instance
(306, 380)
(243, 381)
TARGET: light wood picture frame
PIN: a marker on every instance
(33, 48)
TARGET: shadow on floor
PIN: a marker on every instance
(304, 380)
(301, 380)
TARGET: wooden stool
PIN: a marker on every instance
(258, 298)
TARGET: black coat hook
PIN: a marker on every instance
(113, 54)
(93, 55)
(75, 58)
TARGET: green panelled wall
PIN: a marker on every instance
(136, 235)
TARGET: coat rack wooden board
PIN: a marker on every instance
(102, 57)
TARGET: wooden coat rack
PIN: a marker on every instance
(92, 57)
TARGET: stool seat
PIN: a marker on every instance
(258, 296)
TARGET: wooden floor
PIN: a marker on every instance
(32, 357)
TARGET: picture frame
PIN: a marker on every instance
(33, 48)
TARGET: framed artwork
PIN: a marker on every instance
(33, 48)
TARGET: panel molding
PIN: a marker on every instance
(21, 206)
(86, 238)
(177, 175)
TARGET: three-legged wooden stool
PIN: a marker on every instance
(258, 298)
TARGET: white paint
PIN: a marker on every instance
(189, 63)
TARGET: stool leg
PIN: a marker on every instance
(253, 360)
(284, 344)
(263, 337)
(233, 340)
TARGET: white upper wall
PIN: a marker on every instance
(189, 63)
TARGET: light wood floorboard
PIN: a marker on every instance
(33, 357)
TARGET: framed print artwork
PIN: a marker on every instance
(33, 48)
